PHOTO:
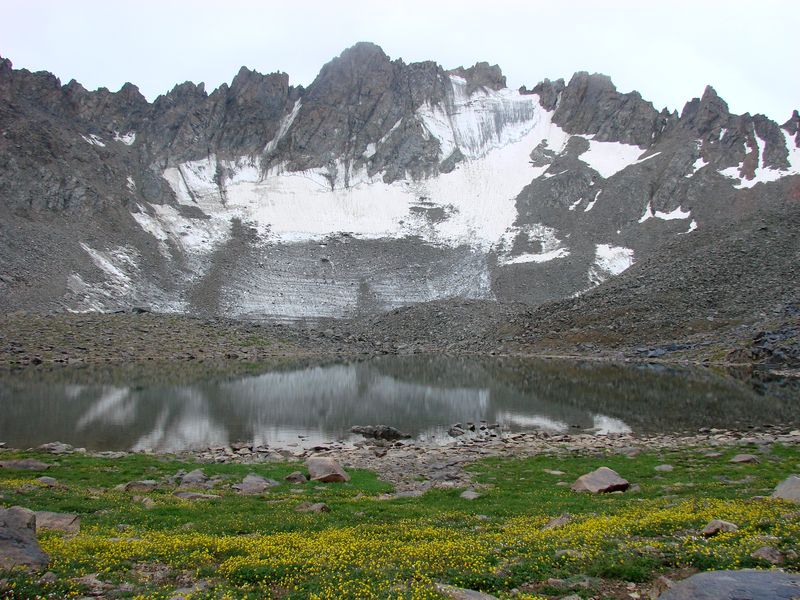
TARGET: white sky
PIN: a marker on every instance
(668, 51)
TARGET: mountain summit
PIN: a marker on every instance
(381, 184)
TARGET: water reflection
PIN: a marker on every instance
(311, 404)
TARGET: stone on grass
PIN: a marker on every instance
(48, 481)
(194, 478)
(55, 521)
(770, 555)
(600, 481)
(24, 464)
(744, 458)
(664, 468)
(558, 521)
(312, 507)
(470, 495)
(736, 585)
(718, 526)
(296, 477)
(553, 472)
(56, 448)
(788, 489)
(326, 470)
(195, 496)
(457, 593)
(145, 485)
(18, 545)
(254, 484)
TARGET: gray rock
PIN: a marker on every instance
(24, 464)
(553, 472)
(55, 521)
(744, 458)
(455, 431)
(145, 485)
(56, 448)
(788, 489)
(770, 555)
(747, 584)
(558, 521)
(194, 478)
(470, 495)
(18, 545)
(325, 469)
(255, 484)
(296, 477)
(381, 432)
(195, 495)
(48, 481)
(600, 481)
(664, 468)
(457, 593)
(718, 526)
(318, 507)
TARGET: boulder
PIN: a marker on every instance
(457, 593)
(744, 458)
(48, 481)
(296, 477)
(664, 468)
(558, 521)
(18, 545)
(736, 585)
(325, 469)
(54, 521)
(255, 484)
(194, 478)
(470, 495)
(195, 496)
(770, 555)
(788, 489)
(56, 448)
(380, 432)
(145, 485)
(315, 507)
(455, 431)
(600, 481)
(718, 526)
(24, 464)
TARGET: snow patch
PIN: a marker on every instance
(131, 184)
(608, 261)
(696, 166)
(125, 138)
(283, 128)
(692, 227)
(609, 158)
(93, 140)
(764, 174)
(575, 204)
(678, 213)
(551, 246)
(591, 204)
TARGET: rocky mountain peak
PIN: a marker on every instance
(706, 113)
(591, 104)
(481, 75)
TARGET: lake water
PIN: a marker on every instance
(185, 406)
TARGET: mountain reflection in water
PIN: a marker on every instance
(308, 405)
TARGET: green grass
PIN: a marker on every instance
(243, 547)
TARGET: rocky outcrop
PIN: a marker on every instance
(18, 545)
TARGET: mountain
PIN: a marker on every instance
(382, 184)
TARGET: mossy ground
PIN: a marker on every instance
(257, 547)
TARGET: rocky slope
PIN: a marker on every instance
(382, 184)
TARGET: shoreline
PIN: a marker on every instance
(414, 466)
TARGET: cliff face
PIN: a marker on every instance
(381, 184)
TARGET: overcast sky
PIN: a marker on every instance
(668, 50)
